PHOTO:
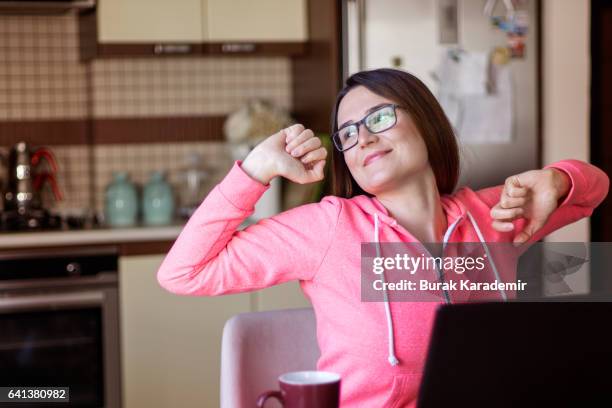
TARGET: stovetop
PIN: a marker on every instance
(43, 220)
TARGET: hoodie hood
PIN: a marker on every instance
(371, 205)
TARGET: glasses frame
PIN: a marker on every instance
(363, 120)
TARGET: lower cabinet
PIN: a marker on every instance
(170, 344)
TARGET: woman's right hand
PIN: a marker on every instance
(294, 153)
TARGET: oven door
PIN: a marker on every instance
(66, 338)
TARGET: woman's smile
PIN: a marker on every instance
(375, 156)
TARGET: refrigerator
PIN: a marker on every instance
(497, 129)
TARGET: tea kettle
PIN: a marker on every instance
(22, 182)
(20, 192)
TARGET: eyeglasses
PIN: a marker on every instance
(378, 121)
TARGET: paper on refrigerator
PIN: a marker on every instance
(476, 97)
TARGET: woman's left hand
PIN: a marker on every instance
(533, 195)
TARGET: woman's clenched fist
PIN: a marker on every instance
(294, 153)
(532, 195)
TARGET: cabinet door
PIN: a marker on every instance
(255, 20)
(146, 21)
(170, 344)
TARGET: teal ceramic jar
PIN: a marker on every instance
(157, 201)
(121, 201)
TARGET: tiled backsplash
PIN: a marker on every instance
(140, 162)
(40, 73)
(42, 78)
(73, 178)
(186, 86)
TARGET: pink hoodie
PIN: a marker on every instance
(378, 347)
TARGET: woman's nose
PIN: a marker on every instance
(364, 137)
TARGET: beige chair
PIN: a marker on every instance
(258, 347)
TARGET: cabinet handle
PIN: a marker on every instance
(172, 49)
(237, 47)
(52, 301)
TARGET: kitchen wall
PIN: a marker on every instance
(42, 78)
(566, 77)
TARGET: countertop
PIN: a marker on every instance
(89, 236)
(146, 239)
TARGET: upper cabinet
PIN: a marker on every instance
(261, 20)
(140, 27)
(145, 21)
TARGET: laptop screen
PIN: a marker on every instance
(513, 354)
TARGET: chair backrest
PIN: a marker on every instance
(258, 347)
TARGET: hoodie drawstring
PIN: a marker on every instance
(390, 334)
(392, 359)
(482, 240)
(447, 236)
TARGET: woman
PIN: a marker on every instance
(395, 166)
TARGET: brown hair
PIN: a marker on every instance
(409, 92)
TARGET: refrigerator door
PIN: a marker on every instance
(414, 35)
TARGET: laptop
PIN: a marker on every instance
(515, 354)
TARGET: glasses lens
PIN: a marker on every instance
(346, 137)
(381, 119)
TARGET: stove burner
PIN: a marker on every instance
(36, 219)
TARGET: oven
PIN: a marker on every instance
(59, 323)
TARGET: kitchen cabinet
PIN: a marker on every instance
(195, 27)
(262, 20)
(144, 21)
(171, 345)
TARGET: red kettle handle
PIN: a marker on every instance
(46, 153)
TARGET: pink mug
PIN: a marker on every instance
(306, 389)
